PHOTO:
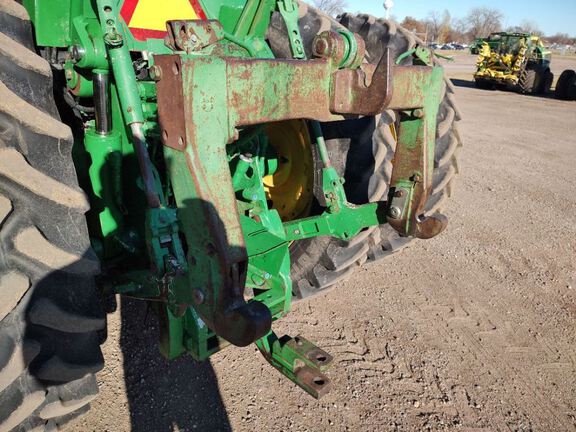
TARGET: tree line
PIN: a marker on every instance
(441, 27)
(479, 22)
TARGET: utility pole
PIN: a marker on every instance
(388, 4)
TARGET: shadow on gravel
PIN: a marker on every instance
(165, 396)
(470, 84)
(462, 83)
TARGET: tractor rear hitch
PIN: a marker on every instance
(204, 101)
(188, 123)
(244, 92)
(300, 360)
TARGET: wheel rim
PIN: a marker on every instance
(289, 189)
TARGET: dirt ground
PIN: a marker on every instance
(472, 331)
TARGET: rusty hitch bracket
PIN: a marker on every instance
(204, 100)
(215, 96)
(417, 95)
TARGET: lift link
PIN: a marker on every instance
(125, 77)
(297, 358)
(289, 11)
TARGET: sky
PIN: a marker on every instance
(551, 16)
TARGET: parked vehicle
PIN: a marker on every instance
(514, 60)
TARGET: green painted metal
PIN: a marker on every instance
(341, 219)
(289, 11)
(211, 223)
(104, 169)
(121, 62)
(299, 360)
(51, 21)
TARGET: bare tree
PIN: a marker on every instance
(438, 26)
(446, 28)
(562, 39)
(482, 21)
(460, 30)
(414, 25)
(526, 26)
(433, 24)
(331, 7)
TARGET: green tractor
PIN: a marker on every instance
(514, 60)
(566, 85)
(476, 45)
(217, 159)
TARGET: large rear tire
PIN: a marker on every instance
(546, 82)
(50, 319)
(566, 86)
(529, 79)
(362, 151)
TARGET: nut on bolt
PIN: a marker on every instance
(321, 47)
(76, 53)
(329, 44)
(394, 212)
(418, 113)
(155, 72)
(417, 178)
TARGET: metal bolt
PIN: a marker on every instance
(394, 212)
(417, 178)
(267, 276)
(254, 197)
(399, 193)
(418, 113)
(193, 39)
(76, 53)
(321, 47)
(155, 72)
(198, 296)
(246, 158)
(297, 231)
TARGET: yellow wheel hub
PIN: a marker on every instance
(290, 188)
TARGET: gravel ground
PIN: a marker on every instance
(473, 330)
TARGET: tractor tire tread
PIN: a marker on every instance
(322, 263)
(50, 317)
(528, 80)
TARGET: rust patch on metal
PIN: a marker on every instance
(171, 101)
(329, 44)
(431, 226)
(314, 381)
(272, 99)
(412, 163)
(192, 35)
(352, 95)
(406, 95)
